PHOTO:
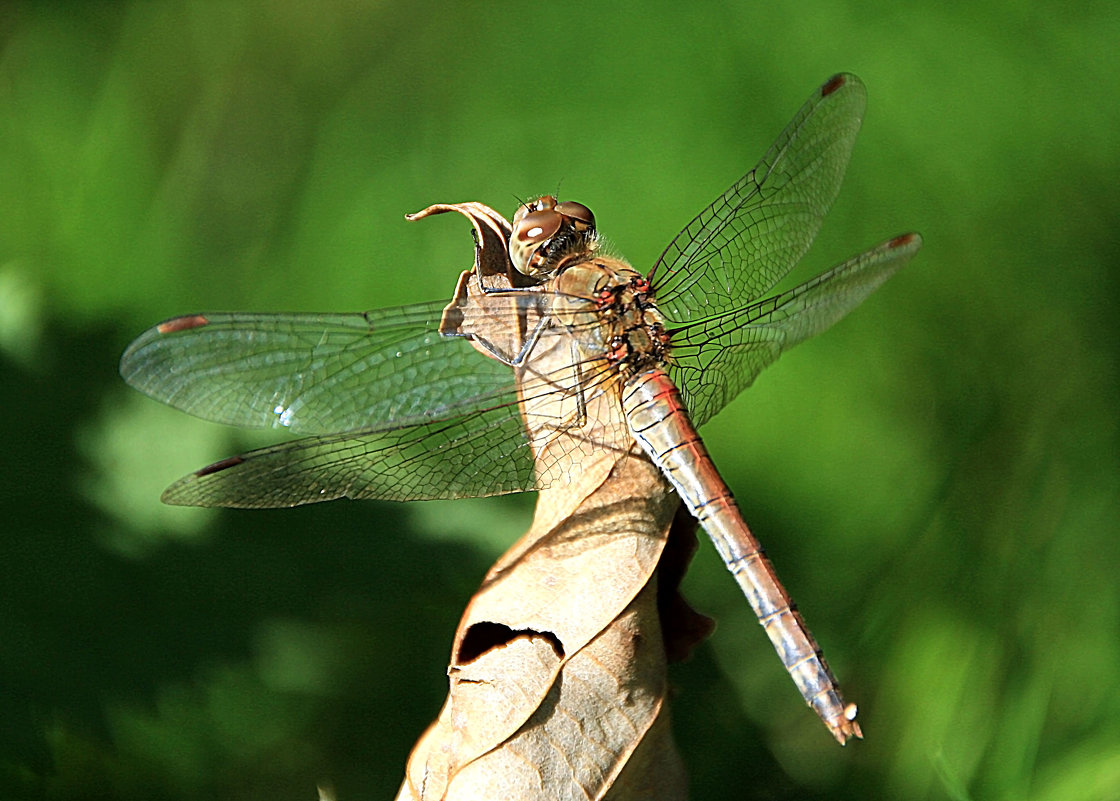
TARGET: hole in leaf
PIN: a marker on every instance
(483, 637)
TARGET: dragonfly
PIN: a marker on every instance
(549, 352)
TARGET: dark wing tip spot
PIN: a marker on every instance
(904, 240)
(182, 324)
(218, 467)
(833, 83)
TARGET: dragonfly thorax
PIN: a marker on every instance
(609, 309)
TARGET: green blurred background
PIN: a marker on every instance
(936, 478)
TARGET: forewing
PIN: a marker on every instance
(315, 373)
(713, 360)
(751, 236)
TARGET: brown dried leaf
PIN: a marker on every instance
(601, 731)
(541, 606)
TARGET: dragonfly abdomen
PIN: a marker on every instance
(659, 422)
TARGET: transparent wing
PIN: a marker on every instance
(715, 359)
(398, 411)
(752, 235)
(315, 373)
(484, 453)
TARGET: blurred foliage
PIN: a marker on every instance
(937, 478)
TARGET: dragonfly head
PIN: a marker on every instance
(544, 229)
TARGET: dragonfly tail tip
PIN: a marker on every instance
(845, 727)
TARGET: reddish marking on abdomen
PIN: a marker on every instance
(182, 324)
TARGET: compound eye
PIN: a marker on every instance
(579, 214)
(538, 226)
(543, 203)
(533, 226)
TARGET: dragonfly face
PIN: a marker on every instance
(545, 230)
